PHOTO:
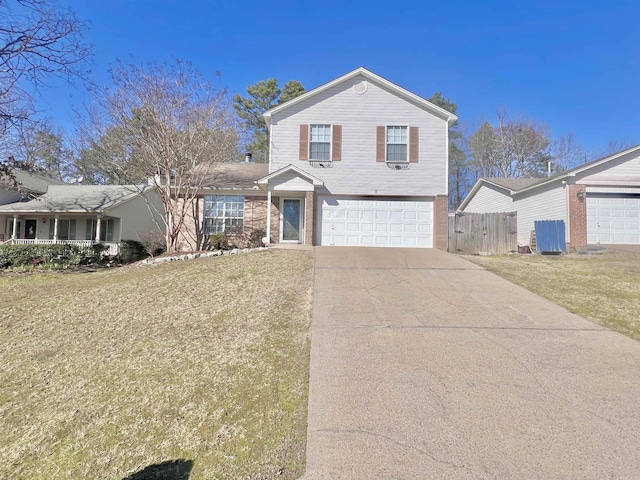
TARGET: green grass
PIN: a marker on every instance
(604, 288)
(107, 373)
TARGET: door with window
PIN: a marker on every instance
(291, 220)
(30, 227)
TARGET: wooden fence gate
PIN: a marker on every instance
(483, 233)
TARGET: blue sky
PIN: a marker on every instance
(573, 65)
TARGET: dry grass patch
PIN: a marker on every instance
(603, 288)
(104, 374)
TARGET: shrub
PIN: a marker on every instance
(221, 241)
(57, 255)
(132, 251)
(255, 238)
(153, 241)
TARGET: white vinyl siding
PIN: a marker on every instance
(549, 204)
(358, 173)
(490, 199)
(624, 170)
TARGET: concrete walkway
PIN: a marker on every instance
(426, 366)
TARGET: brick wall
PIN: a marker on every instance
(190, 238)
(308, 219)
(275, 220)
(577, 216)
(255, 218)
(440, 222)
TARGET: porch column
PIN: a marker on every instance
(268, 216)
(98, 227)
(14, 231)
(55, 228)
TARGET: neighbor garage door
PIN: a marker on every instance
(613, 219)
(357, 221)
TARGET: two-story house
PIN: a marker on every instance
(358, 161)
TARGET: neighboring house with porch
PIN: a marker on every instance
(358, 161)
(30, 185)
(83, 215)
(599, 202)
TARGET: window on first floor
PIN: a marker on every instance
(223, 214)
(320, 142)
(66, 229)
(397, 142)
(107, 226)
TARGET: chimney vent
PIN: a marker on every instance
(247, 157)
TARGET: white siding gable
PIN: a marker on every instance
(290, 182)
(358, 173)
(489, 199)
(624, 170)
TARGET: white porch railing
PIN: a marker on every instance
(113, 248)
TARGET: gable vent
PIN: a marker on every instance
(360, 88)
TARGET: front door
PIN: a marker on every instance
(30, 229)
(291, 220)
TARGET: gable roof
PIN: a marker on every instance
(406, 94)
(519, 185)
(235, 176)
(291, 168)
(77, 199)
(31, 182)
(513, 184)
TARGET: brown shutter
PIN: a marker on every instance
(413, 144)
(336, 147)
(380, 143)
(304, 142)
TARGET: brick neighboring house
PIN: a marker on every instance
(358, 161)
(599, 201)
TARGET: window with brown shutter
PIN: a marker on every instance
(336, 140)
(304, 142)
(413, 144)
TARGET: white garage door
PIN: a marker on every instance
(376, 223)
(613, 219)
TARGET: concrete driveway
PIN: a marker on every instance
(426, 366)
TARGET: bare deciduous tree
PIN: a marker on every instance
(174, 128)
(38, 41)
(513, 148)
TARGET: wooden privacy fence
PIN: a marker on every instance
(483, 233)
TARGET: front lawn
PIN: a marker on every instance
(204, 362)
(604, 288)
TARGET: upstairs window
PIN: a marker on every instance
(320, 142)
(223, 214)
(397, 144)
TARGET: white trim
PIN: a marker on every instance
(446, 181)
(301, 220)
(265, 180)
(386, 143)
(269, 216)
(438, 111)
